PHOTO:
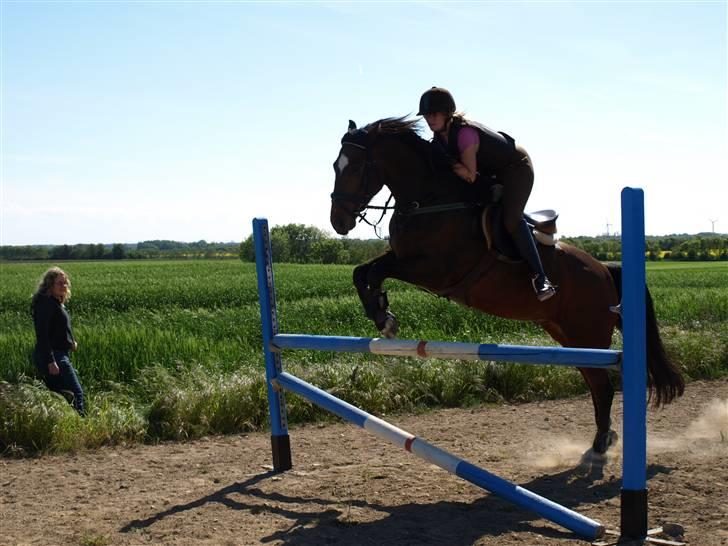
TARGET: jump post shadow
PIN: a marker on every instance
(444, 522)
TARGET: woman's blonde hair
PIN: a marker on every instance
(46, 284)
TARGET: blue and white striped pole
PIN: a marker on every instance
(634, 370)
(579, 524)
(280, 442)
(559, 356)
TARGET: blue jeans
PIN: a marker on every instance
(65, 382)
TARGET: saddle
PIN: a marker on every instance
(542, 223)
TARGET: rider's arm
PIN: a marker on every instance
(42, 314)
(468, 144)
(467, 167)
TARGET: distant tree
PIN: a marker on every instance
(362, 250)
(62, 252)
(246, 250)
(117, 251)
(291, 243)
(280, 246)
(78, 252)
(328, 251)
(301, 239)
(146, 245)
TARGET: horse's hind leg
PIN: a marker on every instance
(600, 385)
(602, 393)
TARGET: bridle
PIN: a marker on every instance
(369, 172)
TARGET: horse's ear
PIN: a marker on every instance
(352, 126)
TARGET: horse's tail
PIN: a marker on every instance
(664, 379)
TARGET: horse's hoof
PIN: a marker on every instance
(603, 441)
(590, 458)
(390, 327)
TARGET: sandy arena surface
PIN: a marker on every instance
(349, 487)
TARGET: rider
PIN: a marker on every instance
(481, 152)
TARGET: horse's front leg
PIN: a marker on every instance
(370, 276)
(361, 283)
(368, 279)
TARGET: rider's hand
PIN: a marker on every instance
(53, 368)
(463, 172)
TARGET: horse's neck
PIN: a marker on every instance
(411, 179)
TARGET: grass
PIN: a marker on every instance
(172, 350)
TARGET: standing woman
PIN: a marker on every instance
(53, 336)
(476, 152)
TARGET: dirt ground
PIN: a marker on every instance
(349, 487)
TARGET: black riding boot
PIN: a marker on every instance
(527, 248)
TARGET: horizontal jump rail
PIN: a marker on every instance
(558, 356)
(516, 494)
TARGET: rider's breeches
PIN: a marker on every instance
(517, 183)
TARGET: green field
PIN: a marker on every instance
(172, 349)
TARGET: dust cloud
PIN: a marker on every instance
(706, 435)
(559, 451)
(712, 423)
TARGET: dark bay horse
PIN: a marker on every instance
(436, 243)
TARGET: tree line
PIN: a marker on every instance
(144, 250)
(298, 243)
(700, 247)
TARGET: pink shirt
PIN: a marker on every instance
(467, 136)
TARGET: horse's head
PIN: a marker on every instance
(355, 183)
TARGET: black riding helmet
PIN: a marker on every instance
(436, 99)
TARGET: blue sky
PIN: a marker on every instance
(129, 121)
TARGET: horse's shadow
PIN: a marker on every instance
(445, 522)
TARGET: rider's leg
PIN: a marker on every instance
(517, 184)
(523, 238)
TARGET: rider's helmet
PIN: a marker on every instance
(436, 99)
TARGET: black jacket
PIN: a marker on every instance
(52, 328)
(497, 150)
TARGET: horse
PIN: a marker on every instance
(437, 243)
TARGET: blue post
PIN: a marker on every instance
(634, 371)
(280, 442)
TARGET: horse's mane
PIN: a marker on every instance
(399, 125)
(403, 127)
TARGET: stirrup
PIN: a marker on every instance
(545, 291)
